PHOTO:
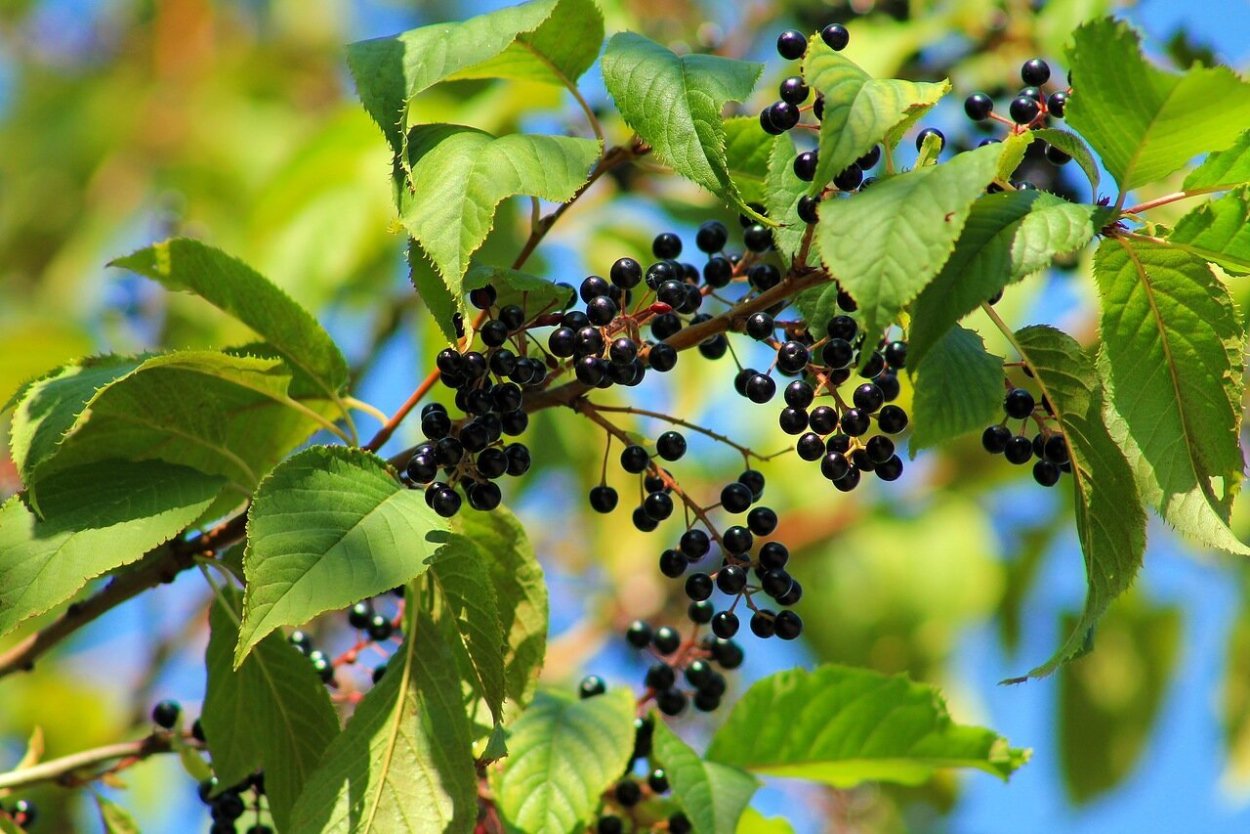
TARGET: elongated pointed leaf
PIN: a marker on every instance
(271, 713)
(1218, 231)
(1229, 167)
(404, 763)
(450, 215)
(959, 389)
(96, 518)
(390, 71)
(860, 110)
(844, 726)
(520, 594)
(563, 754)
(557, 52)
(674, 103)
(748, 153)
(1109, 519)
(1146, 123)
(240, 291)
(460, 570)
(906, 228)
(217, 413)
(326, 528)
(713, 796)
(115, 818)
(1008, 236)
(1172, 349)
(782, 191)
(1075, 147)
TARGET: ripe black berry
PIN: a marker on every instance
(1055, 449)
(711, 237)
(671, 701)
(443, 500)
(634, 459)
(759, 326)
(762, 521)
(799, 394)
(891, 419)
(165, 714)
(776, 582)
(978, 106)
(700, 612)
(1046, 473)
(627, 792)
(757, 238)
(791, 44)
(994, 439)
(718, 272)
(658, 779)
(482, 297)
(672, 563)
(762, 623)
(666, 640)
(725, 624)
(1019, 450)
(811, 447)
(600, 311)
(603, 499)
(927, 132)
(763, 276)
(662, 357)
(727, 653)
(854, 422)
(891, 469)
(783, 115)
(773, 555)
(660, 676)
(760, 388)
(753, 480)
(835, 36)
(731, 579)
(735, 497)
(694, 544)
(666, 246)
(671, 445)
(657, 505)
(809, 208)
(788, 625)
(794, 90)
(805, 166)
(842, 327)
(609, 824)
(1035, 71)
(792, 420)
(868, 397)
(591, 686)
(638, 634)
(679, 823)
(380, 628)
(1024, 109)
(737, 540)
(1018, 403)
(849, 178)
(698, 586)
(1056, 103)
(824, 419)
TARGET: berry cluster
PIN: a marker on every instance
(374, 629)
(229, 805)
(833, 433)
(1048, 445)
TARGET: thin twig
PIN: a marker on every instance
(65, 770)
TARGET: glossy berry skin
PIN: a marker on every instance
(799, 394)
(794, 90)
(869, 159)
(868, 397)
(1035, 72)
(753, 480)
(603, 499)
(995, 438)
(737, 540)
(666, 246)
(792, 420)
(926, 133)
(978, 107)
(660, 676)
(1019, 450)
(638, 634)
(791, 44)
(165, 714)
(609, 824)
(776, 582)
(788, 625)
(658, 779)
(698, 586)
(760, 388)
(711, 237)
(725, 624)
(672, 564)
(891, 419)
(700, 612)
(1055, 449)
(849, 178)
(718, 272)
(666, 640)
(731, 579)
(783, 115)
(757, 238)
(842, 327)
(805, 166)
(735, 498)
(762, 624)
(671, 701)
(759, 326)
(1024, 110)
(662, 357)
(1018, 403)
(762, 521)
(591, 686)
(773, 556)
(658, 506)
(1046, 473)
(891, 469)
(808, 209)
(671, 445)
(810, 446)
(854, 422)
(634, 459)
(626, 273)
(835, 36)
(1056, 103)
(824, 419)
(694, 544)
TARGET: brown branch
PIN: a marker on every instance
(158, 566)
(65, 770)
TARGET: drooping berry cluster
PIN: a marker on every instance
(229, 805)
(1047, 445)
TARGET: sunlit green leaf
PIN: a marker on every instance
(1075, 147)
(713, 796)
(1229, 167)
(748, 151)
(557, 52)
(115, 818)
(1218, 231)
(959, 389)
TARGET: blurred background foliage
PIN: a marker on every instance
(126, 121)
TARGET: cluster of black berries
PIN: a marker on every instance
(323, 665)
(835, 433)
(489, 384)
(1031, 108)
(23, 812)
(784, 114)
(376, 627)
(232, 803)
(1048, 446)
(622, 799)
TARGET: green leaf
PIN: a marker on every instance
(1075, 147)
(557, 52)
(48, 407)
(565, 753)
(1143, 122)
(390, 71)
(748, 151)
(115, 818)
(782, 190)
(1110, 522)
(240, 291)
(326, 528)
(520, 593)
(906, 228)
(273, 712)
(1008, 236)
(96, 518)
(713, 796)
(1111, 702)
(1218, 231)
(221, 414)
(450, 216)
(531, 293)
(959, 388)
(461, 574)
(404, 763)
(843, 726)
(1229, 167)
(1172, 360)
(860, 110)
(674, 103)
(753, 822)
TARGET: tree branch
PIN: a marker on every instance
(65, 770)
